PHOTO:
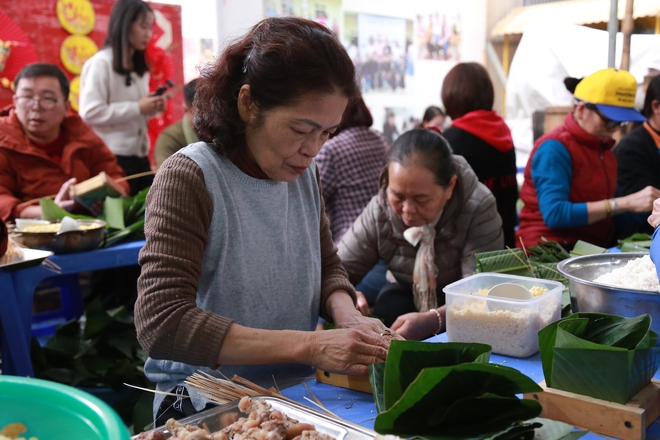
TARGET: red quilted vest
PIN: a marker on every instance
(593, 179)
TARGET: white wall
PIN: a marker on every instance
(225, 20)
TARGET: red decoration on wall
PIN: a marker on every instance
(161, 70)
(18, 52)
(38, 18)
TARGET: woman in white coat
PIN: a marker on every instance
(114, 95)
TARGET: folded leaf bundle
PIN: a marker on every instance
(446, 390)
(599, 355)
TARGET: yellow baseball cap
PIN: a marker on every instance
(612, 92)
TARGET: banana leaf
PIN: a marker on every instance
(635, 243)
(121, 212)
(548, 251)
(584, 248)
(51, 212)
(460, 400)
(406, 359)
(501, 261)
(136, 230)
(377, 379)
(600, 355)
(423, 377)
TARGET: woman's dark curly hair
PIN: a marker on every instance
(281, 59)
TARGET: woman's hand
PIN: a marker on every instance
(347, 351)
(641, 201)
(63, 198)
(416, 325)
(654, 218)
(150, 105)
(345, 315)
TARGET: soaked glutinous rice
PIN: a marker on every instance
(639, 274)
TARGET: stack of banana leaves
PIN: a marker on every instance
(539, 261)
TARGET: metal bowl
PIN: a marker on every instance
(588, 296)
(66, 242)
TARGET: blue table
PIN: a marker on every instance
(359, 407)
(17, 289)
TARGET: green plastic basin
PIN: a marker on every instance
(52, 411)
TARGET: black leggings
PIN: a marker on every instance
(393, 301)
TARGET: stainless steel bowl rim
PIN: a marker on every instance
(562, 264)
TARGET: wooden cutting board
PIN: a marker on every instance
(357, 383)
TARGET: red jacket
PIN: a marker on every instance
(27, 173)
(593, 178)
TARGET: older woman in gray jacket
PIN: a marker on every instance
(429, 219)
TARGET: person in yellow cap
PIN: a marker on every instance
(571, 174)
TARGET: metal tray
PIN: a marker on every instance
(216, 419)
(31, 257)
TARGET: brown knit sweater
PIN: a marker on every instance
(179, 213)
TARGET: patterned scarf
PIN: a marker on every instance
(425, 271)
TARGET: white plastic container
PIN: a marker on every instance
(509, 326)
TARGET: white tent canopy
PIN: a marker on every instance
(548, 54)
(579, 12)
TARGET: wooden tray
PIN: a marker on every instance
(357, 383)
(627, 421)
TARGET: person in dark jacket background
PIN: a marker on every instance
(638, 158)
(482, 137)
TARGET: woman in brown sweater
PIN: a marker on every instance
(239, 261)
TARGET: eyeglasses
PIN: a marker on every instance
(609, 123)
(26, 102)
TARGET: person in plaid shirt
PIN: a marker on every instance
(350, 163)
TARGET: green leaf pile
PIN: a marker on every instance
(604, 356)
(98, 352)
(636, 243)
(124, 216)
(447, 390)
(540, 261)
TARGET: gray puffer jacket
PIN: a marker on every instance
(469, 224)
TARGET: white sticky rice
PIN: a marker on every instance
(639, 274)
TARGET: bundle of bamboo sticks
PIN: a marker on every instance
(224, 390)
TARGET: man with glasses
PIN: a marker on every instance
(571, 174)
(45, 147)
